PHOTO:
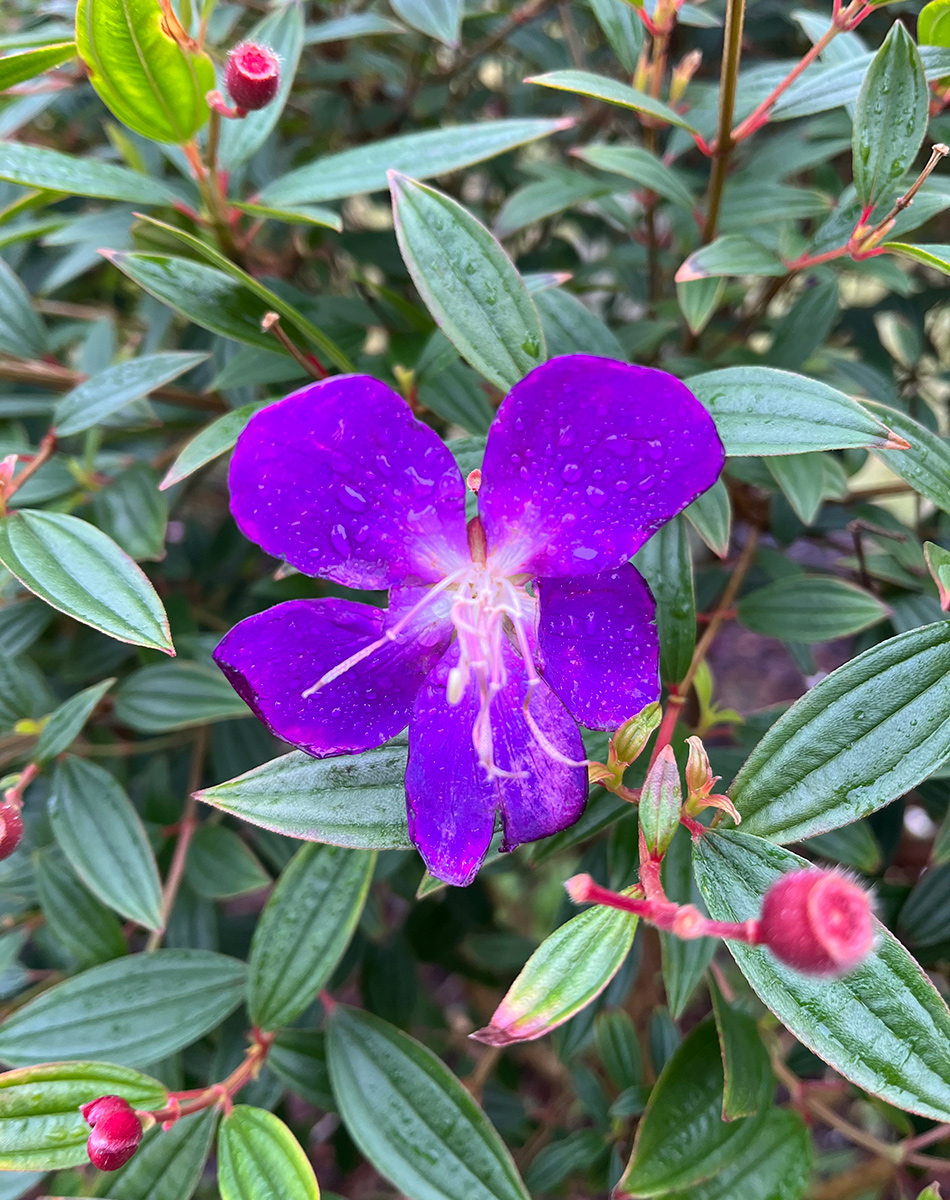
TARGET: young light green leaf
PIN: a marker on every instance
(103, 837)
(304, 930)
(759, 410)
(895, 1050)
(810, 608)
(259, 1156)
(467, 282)
(745, 1060)
(166, 696)
(730, 255)
(412, 1118)
(221, 865)
(354, 800)
(660, 801)
(79, 570)
(22, 333)
(891, 116)
(168, 1165)
(933, 24)
(301, 214)
(667, 567)
(937, 257)
(140, 71)
(441, 19)
(866, 734)
(66, 722)
(566, 972)
(214, 440)
(420, 155)
(112, 389)
(41, 1127)
(136, 1010)
(638, 164)
(599, 87)
(18, 68)
(711, 517)
(39, 167)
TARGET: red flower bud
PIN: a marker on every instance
(818, 922)
(95, 1110)
(11, 829)
(252, 76)
(116, 1134)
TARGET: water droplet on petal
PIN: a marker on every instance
(622, 485)
(566, 437)
(597, 496)
(339, 541)
(570, 472)
(354, 500)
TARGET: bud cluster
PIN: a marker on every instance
(116, 1132)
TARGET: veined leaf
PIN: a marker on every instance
(110, 390)
(259, 1156)
(810, 608)
(18, 68)
(599, 87)
(156, 699)
(39, 167)
(730, 255)
(214, 440)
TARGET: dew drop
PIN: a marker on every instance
(566, 436)
(597, 496)
(570, 472)
(354, 500)
(622, 485)
(339, 541)
(645, 483)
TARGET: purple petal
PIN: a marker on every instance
(587, 458)
(599, 645)
(452, 801)
(272, 658)
(342, 481)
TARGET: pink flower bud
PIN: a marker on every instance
(116, 1132)
(252, 76)
(95, 1110)
(11, 829)
(818, 922)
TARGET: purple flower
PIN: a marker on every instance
(500, 636)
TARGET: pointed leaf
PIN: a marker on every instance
(39, 167)
(259, 1156)
(214, 440)
(22, 333)
(599, 87)
(809, 608)
(65, 724)
(440, 19)
(18, 68)
(166, 696)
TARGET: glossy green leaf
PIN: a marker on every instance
(220, 865)
(353, 25)
(18, 68)
(545, 198)
(730, 255)
(22, 333)
(685, 961)
(622, 28)
(301, 214)
(809, 608)
(299, 1058)
(619, 1048)
(926, 464)
(711, 517)
(571, 328)
(852, 845)
(304, 930)
(65, 724)
(931, 256)
(412, 1118)
(599, 87)
(39, 167)
(925, 913)
(166, 696)
(890, 117)
(759, 410)
(282, 31)
(134, 513)
(214, 440)
(667, 566)
(883, 1025)
(644, 168)
(135, 1010)
(441, 19)
(168, 1165)
(21, 623)
(566, 972)
(80, 571)
(468, 283)
(354, 800)
(259, 1156)
(88, 930)
(866, 734)
(141, 73)
(682, 1139)
(420, 155)
(41, 1127)
(933, 24)
(807, 480)
(111, 390)
(746, 1064)
(103, 837)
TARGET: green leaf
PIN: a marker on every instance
(21, 623)
(65, 724)
(681, 1138)
(853, 845)
(166, 696)
(684, 960)
(141, 73)
(39, 167)
(22, 333)
(468, 283)
(354, 800)
(807, 480)
(441, 19)
(354, 25)
(711, 517)
(302, 214)
(168, 1165)
(931, 256)
(111, 390)
(660, 801)
(259, 1156)
(622, 28)
(883, 1025)
(136, 1010)
(546, 198)
(103, 837)
(667, 566)
(746, 1064)
(776, 1166)
(924, 916)
(938, 564)
(566, 972)
(282, 31)
(644, 168)
(730, 255)
(933, 24)
(134, 513)
(83, 926)
(599, 87)
(18, 68)
(304, 930)
(866, 734)
(420, 155)
(412, 1118)
(571, 328)
(79, 571)
(891, 116)
(299, 1058)
(220, 865)
(699, 299)
(619, 1049)
(214, 440)
(41, 1127)
(809, 609)
(925, 465)
(759, 410)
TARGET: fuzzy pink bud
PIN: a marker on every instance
(252, 76)
(11, 829)
(116, 1132)
(818, 922)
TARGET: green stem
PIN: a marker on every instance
(729, 81)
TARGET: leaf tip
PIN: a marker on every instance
(493, 1035)
(688, 273)
(895, 441)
